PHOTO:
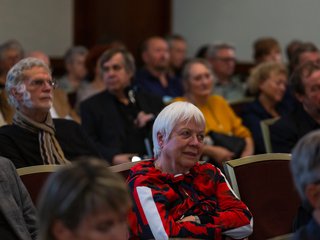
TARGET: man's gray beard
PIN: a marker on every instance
(26, 97)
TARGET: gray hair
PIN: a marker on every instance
(11, 44)
(79, 189)
(16, 76)
(72, 52)
(186, 71)
(305, 163)
(171, 116)
(129, 63)
(213, 49)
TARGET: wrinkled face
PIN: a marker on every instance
(178, 52)
(115, 75)
(309, 57)
(200, 83)
(37, 91)
(157, 54)
(274, 87)
(311, 98)
(184, 146)
(101, 225)
(224, 63)
(78, 67)
(274, 56)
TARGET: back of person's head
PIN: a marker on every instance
(11, 45)
(213, 49)
(262, 47)
(172, 115)
(76, 191)
(92, 59)
(174, 37)
(202, 51)
(128, 59)
(305, 163)
(300, 73)
(261, 73)
(291, 48)
(303, 48)
(16, 76)
(73, 52)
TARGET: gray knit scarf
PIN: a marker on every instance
(50, 149)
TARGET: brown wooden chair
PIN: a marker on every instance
(124, 168)
(264, 184)
(34, 178)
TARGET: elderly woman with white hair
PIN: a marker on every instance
(174, 195)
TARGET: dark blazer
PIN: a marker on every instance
(104, 123)
(289, 129)
(15, 202)
(252, 114)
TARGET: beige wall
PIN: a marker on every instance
(38, 24)
(242, 21)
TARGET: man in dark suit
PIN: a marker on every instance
(287, 131)
(119, 120)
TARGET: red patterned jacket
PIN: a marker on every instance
(160, 200)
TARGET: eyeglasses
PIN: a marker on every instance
(39, 83)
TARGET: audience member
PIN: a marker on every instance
(178, 54)
(17, 213)
(306, 52)
(198, 83)
(268, 83)
(223, 60)
(11, 52)
(84, 201)
(290, 49)
(60, 106)
(35, 138)
(266, 49)
(154, 76)
(305, 117)
(305, 165)
(174, 195)
(95, 83)
(74, 60)
(119, 119)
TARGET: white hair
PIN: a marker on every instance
(171, 116)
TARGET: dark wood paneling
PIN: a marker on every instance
(101, 21)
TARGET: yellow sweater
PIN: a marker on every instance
(220, 117)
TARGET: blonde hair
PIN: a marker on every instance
(261, 73)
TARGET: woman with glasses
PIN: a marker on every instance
(35, 138)
(174, 195)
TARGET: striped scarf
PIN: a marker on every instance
(51, 152)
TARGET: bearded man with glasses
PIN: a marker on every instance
(35, 138)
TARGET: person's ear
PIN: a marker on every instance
(160, 139)
(60, 231)
(312, 193)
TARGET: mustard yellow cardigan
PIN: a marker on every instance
(220, 117)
